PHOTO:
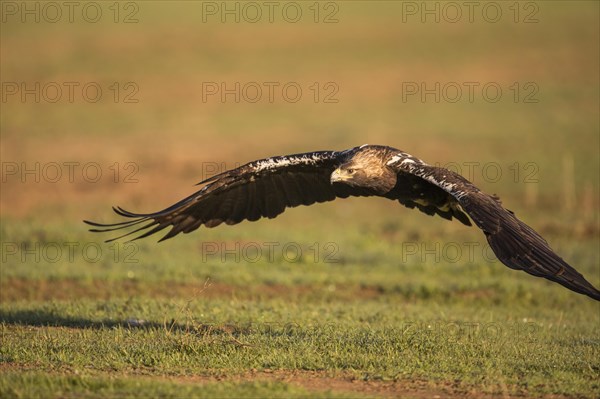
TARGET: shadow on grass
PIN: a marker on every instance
(40, 318)
(37, 318)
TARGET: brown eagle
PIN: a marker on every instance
(265, 188)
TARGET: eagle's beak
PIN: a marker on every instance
(336, 176)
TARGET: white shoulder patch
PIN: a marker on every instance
(394, 159)
(404, 159)
(271, 163)
(282, 161)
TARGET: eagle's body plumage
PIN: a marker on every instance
(265, 188)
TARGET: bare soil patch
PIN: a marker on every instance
(324, 381)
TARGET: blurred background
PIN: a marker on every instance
(132, 103)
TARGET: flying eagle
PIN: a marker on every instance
(265, 188)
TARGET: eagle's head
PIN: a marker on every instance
(367, 169)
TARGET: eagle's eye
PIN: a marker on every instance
(350, 170)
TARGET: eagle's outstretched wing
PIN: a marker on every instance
(515, 244)
(263, 188)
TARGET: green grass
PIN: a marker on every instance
(476, 325)
(546, 351)
(379, 304)
(41, 385)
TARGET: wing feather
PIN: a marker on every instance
(266, 187)
(238, 206)
(263, 188)
(515, 244)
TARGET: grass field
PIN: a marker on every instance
(357, 298)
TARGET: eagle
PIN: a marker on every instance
(266, 187)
